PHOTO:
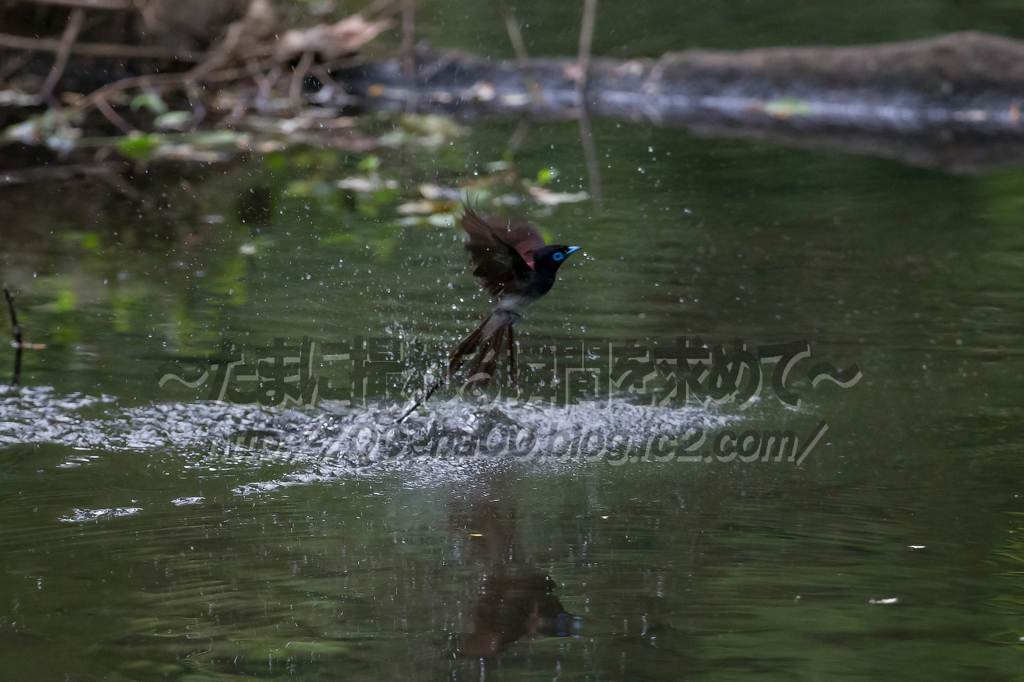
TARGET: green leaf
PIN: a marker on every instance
(172, 120)
(65, 301)
(216, 138)
(787, 107)
(151, 101)
(369, 164)
(546, 175)
(339, 239)
(274, 160)
(140, 147)
(304, 188)
(91, 241)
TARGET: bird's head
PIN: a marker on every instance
(552, 256)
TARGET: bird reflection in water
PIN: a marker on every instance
(515, 600)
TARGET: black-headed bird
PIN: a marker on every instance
(512, 263)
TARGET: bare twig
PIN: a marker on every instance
(161, 79)
(519, 134)
(265, 85)
(195, 98)
(16, 333)
(437, 384)
(298, 76)
(14, 64)
(63, 51)
(587, 38)
(101, 49)
(330, 90)
(324, 76)
(255, 25)
(590, 157)
(104, 108)
(127, 83)
(586, 134)
(408, 52)
(515, 36)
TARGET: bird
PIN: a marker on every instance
(512, 263)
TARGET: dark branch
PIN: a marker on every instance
(101, 49)
(63, 52)
(16, 332)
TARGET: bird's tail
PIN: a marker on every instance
(486, 340)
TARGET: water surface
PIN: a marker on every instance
(144, 539)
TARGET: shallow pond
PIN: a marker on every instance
(591, 521)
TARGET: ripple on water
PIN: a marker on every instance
(82, 515)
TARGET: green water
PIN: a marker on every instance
(650, 28)
(134, 549)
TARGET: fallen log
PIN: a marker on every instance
(953, 101)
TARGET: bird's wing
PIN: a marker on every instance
(525, 240)
(497, 252)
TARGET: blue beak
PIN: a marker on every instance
(571, 250)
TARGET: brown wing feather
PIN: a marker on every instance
(524, 238)
(499, 254)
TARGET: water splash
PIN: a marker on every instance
(83, 515)
(332, 440)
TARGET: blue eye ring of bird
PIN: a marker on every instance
(558, 256)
